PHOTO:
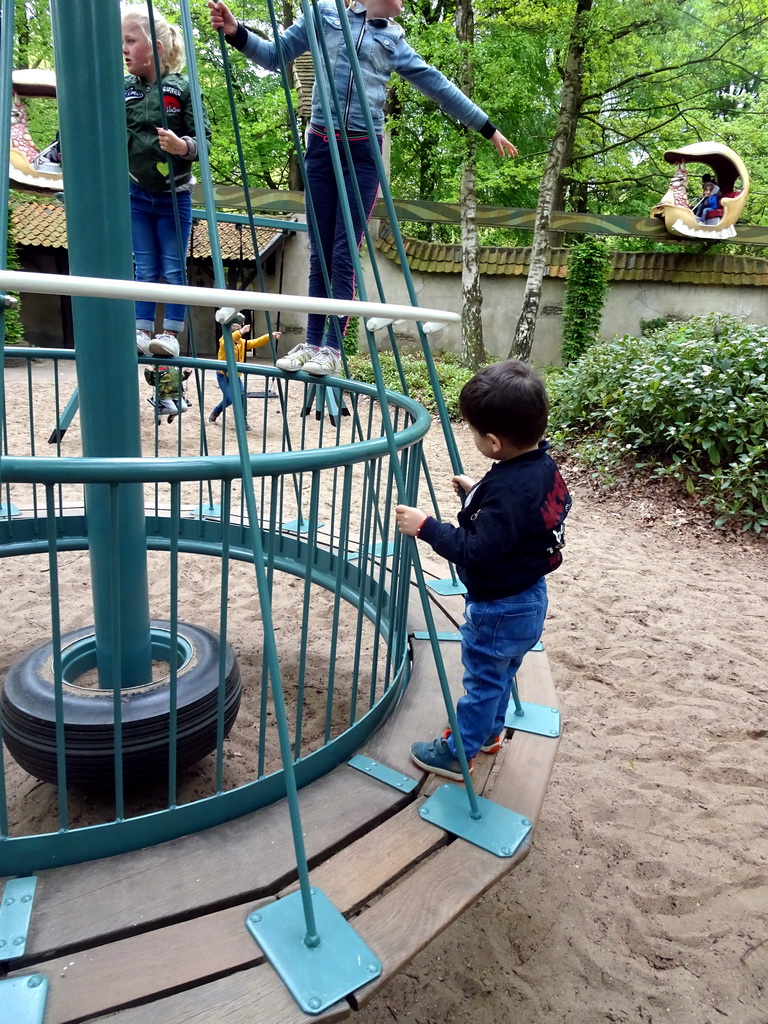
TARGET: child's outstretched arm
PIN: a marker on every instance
(409, 520)
(503, 145)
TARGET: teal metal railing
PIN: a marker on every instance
(336, 571)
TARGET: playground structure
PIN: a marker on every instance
(175, 871)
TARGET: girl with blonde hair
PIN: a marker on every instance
(159, 165)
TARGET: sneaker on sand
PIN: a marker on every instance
(213, 418)
(143, 338)
(164, 345)
(491, 746)
(297, 357)
(327, 362)
(435, 757)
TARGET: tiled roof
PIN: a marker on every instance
(45, 224)
(672, 267)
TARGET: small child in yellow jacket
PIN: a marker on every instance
(242, 345)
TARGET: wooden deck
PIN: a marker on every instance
(158, 936)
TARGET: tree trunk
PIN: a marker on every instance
(559, 157)
(473, 353)
(295, 181)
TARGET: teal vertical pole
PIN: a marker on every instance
(89, 85)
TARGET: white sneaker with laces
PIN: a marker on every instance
(164, 345)
(143, 338)
(327, 362)
(297, 357)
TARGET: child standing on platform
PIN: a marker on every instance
(159, 163)
(381, 50)
(511, 529)
(242, 345)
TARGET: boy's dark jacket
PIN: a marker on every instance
(510, 531)
(148, 165)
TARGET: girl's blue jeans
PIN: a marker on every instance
(331, 244)
(156, 246)
(226, 389)
(495, 637)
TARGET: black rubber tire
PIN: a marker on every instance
(28, 712)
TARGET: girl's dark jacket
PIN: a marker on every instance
(148, 166)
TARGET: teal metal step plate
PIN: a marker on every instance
(15, 914)
(382, 773)
(498, 830)
(536, 718)
(447, 587)
(22, 1000)
(421, 635)
(321, 976)
(378, 550)
(299, 526)
(7, 511)
(207, 512)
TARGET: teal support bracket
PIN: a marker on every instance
(318, 970)
(498, 830)
(378, 550)
(66, 418)
(534, 718)
(8, 511)
(447, 587)
(22, 1000)
(380, 771)
(326, 398)
(538, 646)
(299, 526)
(15, 915)
(422, 635)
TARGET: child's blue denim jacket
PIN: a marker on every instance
(381, 50)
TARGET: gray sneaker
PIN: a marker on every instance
(297, 357)
(327, 362)
(164, 345)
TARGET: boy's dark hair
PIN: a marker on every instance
(506, 399)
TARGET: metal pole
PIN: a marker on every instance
(87, 47)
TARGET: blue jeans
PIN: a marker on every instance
(495, 637)
(223, 381)
(331, 244)
(156, 250)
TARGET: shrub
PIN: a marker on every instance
(451, 376)
(689, 401)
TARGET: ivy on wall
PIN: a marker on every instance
(585, 287)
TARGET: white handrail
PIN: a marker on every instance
(110, 288)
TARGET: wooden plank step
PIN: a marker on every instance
(94, 981)
(246, 859)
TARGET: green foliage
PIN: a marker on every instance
(451, 376)
(351, 338)
(14, 329)
(585, 286)
(689, 402)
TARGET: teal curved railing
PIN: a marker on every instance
(326, 522)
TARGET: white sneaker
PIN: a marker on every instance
(143, 338)
(164, 345)
(326, 362)
(297, 357)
